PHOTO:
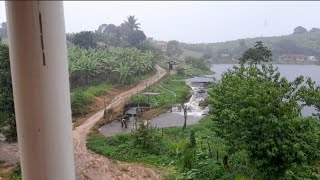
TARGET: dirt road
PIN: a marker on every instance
(91, 166)
(96, 167)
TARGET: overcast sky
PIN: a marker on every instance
(194, 22)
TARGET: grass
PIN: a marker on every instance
(94, 90)
(122, 147)
(167, 152)
(83, 96)
(171, 92)
(188, 73)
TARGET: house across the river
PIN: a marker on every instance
(297, 58)
(293, 58)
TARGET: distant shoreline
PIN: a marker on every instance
(282, 63)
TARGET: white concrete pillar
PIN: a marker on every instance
(38, 56)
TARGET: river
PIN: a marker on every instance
(289, 71)
(195, 112)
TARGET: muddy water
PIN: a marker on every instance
(175, 116)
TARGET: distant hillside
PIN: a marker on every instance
(305, 43)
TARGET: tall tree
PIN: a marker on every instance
(109, 34)
(313, 30)
(257, 54)
(132, 23)
(85, 39)
(136, 38)
(299, 30)
(257, 111)
(173, 49)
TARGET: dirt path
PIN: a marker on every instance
(91, 166)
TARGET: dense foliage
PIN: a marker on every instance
(310, 95)
(299, 30)
(84, 39)
(199, 63)
(145, 137)
(127, 34)
(92, 67)
(193, 66)
(119, 66)
(257, 111)
(257, 54)
(7, 117)
(173, 49)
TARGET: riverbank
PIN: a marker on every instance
(170, 91)
(271, 62)
(163, 153)
(166, 152)
(85, 101)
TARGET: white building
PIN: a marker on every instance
(312, 58)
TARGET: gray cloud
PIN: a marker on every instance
(203, 21)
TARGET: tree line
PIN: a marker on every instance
(88, 64)
(127, 34)
(301, 41)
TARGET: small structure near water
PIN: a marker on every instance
(172, 66)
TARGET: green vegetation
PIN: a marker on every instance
(257, 54)
(13, 174)
(83, 96)
(127, 34)
(172, 150)
(174, 49)
(92, 67)
(119, 67)
(258, 114)
(255, 131)
(198, 63)
(171, 92)
(193, 66)
(145, 137)
(7, 116)
(252, 116)
(306, 43)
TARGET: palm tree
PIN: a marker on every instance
(132, 23)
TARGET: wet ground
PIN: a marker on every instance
(173, 118)
(164, 120)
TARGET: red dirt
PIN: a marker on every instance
(91, 166)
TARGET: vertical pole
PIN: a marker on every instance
(38, 57)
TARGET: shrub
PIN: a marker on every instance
(79, 102)
(208, 169)
(145, 137)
